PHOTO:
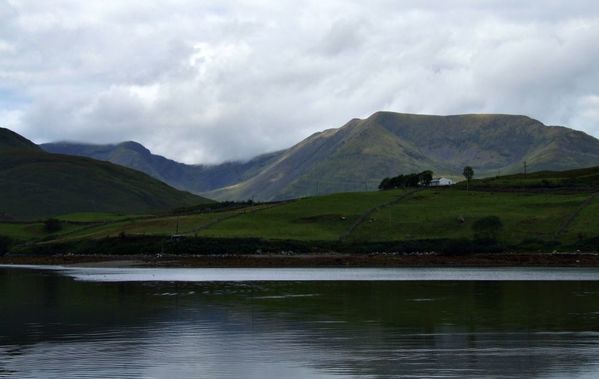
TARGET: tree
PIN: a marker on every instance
(426, 177)
(412, 180)
(385, 184)
(5, 243)
(409, 180)
(52, 225)
(487, 228)
(468, 174)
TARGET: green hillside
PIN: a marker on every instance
(556, 216)
(361, 153)
(37, 184)
(586, 179)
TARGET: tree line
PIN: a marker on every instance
(410, 180)
(422, 179)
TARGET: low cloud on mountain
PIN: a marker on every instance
(204, 81)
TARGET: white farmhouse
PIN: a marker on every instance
(436, 182)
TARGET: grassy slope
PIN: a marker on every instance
(188, 225)
(40, 184)
(586, 179)
(436, 213)
(150, 226)
(317, 218)
(89, 217)
(428, 214)
(32, 231)
(361, 153)
(562, 214)
(587, 223)
(37, 184)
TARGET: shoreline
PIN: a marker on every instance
(312, 260)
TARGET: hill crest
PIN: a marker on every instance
(38, 184)
(10, 140)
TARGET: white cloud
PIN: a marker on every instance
(11, 119)
(204, 81)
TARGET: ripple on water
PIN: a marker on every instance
(65, 328)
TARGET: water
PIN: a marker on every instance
(299, 323)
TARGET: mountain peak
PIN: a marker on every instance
(135, 146)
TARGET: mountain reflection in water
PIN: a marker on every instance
(56, 327)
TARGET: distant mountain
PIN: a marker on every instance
(193, 178)
(362, 152)
(387, 143)
(35, 183)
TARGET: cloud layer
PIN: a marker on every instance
(205, 81)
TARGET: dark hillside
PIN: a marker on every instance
(36, 184)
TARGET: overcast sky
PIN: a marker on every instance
(207, 81)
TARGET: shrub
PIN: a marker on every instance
(5, 244)
(588, 244)
(487, 228)
(537, 244)
(52, 225)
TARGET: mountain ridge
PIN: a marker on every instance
(357, 155)
(193, 178)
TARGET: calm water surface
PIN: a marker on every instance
(307, 323)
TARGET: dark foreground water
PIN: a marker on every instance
(318, 323)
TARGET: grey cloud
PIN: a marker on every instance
(207, 82)
(343, 35)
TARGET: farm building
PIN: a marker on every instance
(436, 182)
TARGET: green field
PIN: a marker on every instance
(580, 180)
(548, 217)
(426, 214)
(184, 225)
(32, 231)
(450, 214)
(316, 218)
(96, 217)
(586, 223)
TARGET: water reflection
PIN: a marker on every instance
(54, 326)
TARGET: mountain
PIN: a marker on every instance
(387, 143)
(35, 183)
(363, 151)
(193, 178)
